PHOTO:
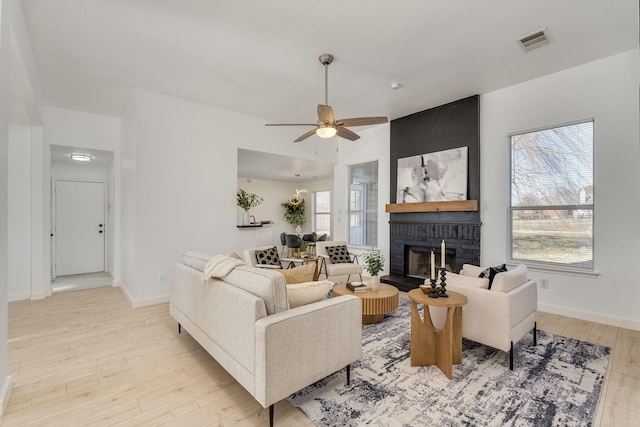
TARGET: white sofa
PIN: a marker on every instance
(500, 316)
(245, 323)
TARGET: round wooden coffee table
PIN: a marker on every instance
(374, 303)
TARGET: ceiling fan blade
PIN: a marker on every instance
(325, 113)
(346, 133)
(305, 136)
(362, 121)
(291, 124)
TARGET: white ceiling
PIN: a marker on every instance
(261, 58)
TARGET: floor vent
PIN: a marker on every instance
(534, 40)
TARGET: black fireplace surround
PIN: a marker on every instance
(449, 126)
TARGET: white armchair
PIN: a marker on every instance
(342, 263)
(500, 316)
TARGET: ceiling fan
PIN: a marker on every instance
(327, 126)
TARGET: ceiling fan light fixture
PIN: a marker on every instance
(326, 131)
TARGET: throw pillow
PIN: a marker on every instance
(492, 271)
(307, 293)
(300, 274)
(268, 256)
(338, 254)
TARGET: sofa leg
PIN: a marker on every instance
(511, 357)
(271, 415)
(348, 374)
(179, 328)
(535, 333)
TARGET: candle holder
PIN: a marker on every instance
(433, 293)
(443, 283)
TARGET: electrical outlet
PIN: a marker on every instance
(161, 278)
(544, 284)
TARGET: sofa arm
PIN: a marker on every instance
(302, 345)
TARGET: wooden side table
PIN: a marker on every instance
(436, 347)
(374, 303)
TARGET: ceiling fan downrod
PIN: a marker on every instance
(326, 59)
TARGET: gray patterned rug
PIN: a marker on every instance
(556, 383)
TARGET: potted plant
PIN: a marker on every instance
(374, 264)
(294, 213)
(246, 201)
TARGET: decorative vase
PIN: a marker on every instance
(374, 283)
(246, 218)
(298, 229)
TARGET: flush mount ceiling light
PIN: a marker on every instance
(81, 157)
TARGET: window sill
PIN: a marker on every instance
(581, 272)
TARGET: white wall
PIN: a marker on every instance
(19, 215)
(606, 90)
(180, 185)
(5, 378)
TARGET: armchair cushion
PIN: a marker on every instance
(471, 270)
(491, 273)
(300, 274)
(338, 254)
(308, 292)
(268, 256)
(509, 280)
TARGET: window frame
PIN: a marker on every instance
(548, 265)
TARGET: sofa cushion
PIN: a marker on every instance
(300, 274)
(509, 280)
(262, 282)
(338, 254)
(471, 282)
(268, 256)
(196, 260)
(308, 292)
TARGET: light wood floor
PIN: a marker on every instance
(87, 358)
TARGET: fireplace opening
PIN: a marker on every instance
(418, 261)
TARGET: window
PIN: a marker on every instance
(322, 212)
(551, 209)
(363, 204)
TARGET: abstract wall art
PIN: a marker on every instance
(432, 177)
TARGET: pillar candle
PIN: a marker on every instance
(442, 254)
(433, 266)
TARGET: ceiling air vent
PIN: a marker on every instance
(534, 40)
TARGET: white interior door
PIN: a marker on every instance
(80, 227)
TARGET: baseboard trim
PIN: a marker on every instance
(5, 393)
(590, 316)
(38, 295)
(18, 297)
(137, 303)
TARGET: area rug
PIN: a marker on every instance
(556, 383)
